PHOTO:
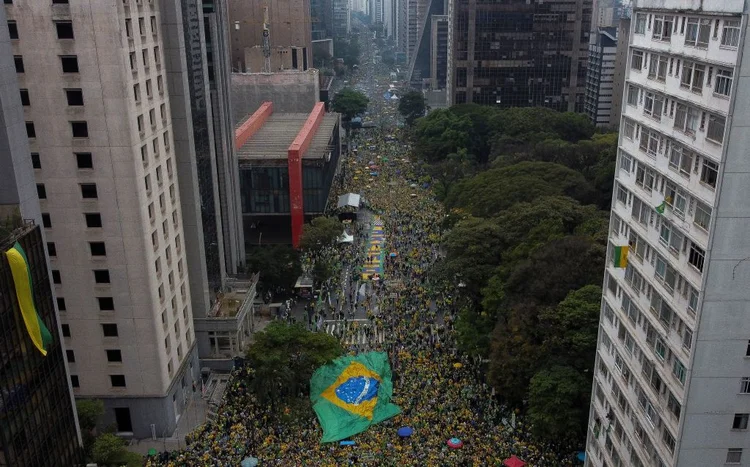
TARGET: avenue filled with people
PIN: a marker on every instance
(441, 392)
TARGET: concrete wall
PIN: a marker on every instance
(18, 187)
(160, 411)
(719, 363)
(289, 92)
(290, 25)
(702, 6)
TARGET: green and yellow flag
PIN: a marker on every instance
(19, 268)
(352, 393)
(620, 256)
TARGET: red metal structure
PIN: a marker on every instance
(295, 153)
(246, 131)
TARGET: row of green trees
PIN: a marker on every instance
(528, 192)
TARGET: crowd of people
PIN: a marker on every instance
(441, 392)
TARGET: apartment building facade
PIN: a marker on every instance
(672, 376)
(94, 87)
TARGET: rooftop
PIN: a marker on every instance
(273, 139)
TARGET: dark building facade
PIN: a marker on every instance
(218, 60)
(321, 14)
(37, 420)
(519, 53)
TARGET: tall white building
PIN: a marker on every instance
(96, 84)
(672, 376)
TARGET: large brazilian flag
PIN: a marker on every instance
(352, 393)
(21, 272)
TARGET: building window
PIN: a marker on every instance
(649, 142)
(680, 159)
(13, 29)
(114, 355)
(702, 216)
(628, 128)
(84, 160)
(64, 29)
(662, 30)
(36, 162)
(25, 101)
(154, 28)
(653, 105)
(698, 32)
(88, 191)
(636, 62)
(715, 131)
(73, 378)
(109, 330)
(710, 173)
(730, 36)
(46, 220)
(674, 406)
(697, 256)
(98, 249)
(679, 371)
(734, 455)
(745, 385)
(657, 68)
(30, 130)
(633, 95)
(61, 304)
(626, 162)
(640, 23)
(70, 356)
(65, 330)
(74, 96)
(106, 303)
(80, 129)
(118, 381)
(93, 220)
(60, 2)
(56, 278)
(668, 440)
(101, 276)
(18, 62)
(693, 76)
(51, 249)
(740, 421)
(41, 191)
(69, 63)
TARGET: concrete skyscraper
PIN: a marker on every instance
(672, 376)
(37, 413)
(98, 105)
(520, 53)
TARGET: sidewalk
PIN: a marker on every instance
(192, 416)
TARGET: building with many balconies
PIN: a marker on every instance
(672, 375)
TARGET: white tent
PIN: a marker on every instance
(349, 199)
(346, 238)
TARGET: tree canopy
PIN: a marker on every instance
(412, 106)
(279, 266)
(349, 103)
(492, 191)
(320, 232)
(284, 357)
(527, 192)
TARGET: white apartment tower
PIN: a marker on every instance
(94, 86)
(672, 376)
